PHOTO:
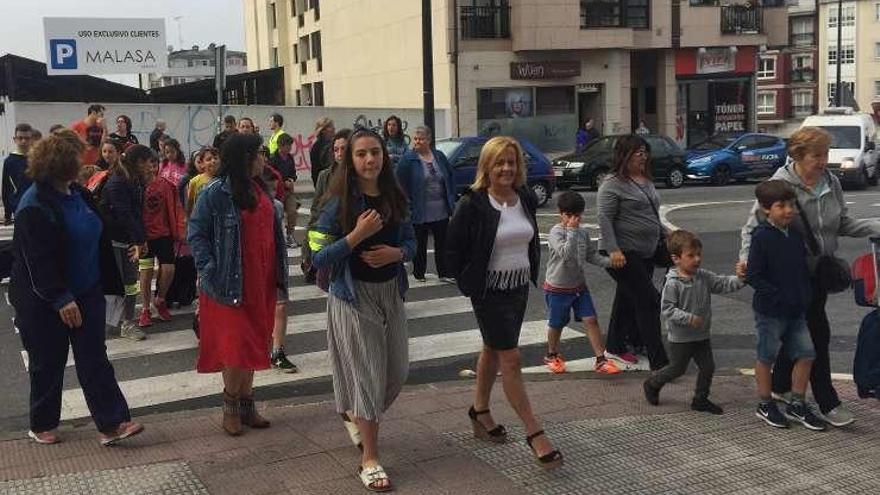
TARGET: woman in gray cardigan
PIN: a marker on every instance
(821, 197)
(631, 231)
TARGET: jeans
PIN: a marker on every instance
(636, 307)
(420, 261)
(820, 374)
(681, 354)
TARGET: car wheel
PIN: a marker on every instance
(721, 177)
(675, 178)
(542, 192)
(597, 178)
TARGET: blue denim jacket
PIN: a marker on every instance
(335, 254)
(411, 176)
(214, 234)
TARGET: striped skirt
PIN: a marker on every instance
(368, 348)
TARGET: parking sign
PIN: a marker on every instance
(62, 54)
(104, 46)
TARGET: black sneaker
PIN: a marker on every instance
(281, 363)
(803, 414)
(652, 395)
(705, 405)
(771, 414)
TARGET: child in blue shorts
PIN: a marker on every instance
(777, 270)
(565, 285)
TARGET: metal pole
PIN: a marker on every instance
(428, 68)
(220, 81)
(839, 86)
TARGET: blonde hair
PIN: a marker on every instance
(489, 156)
(808, 141)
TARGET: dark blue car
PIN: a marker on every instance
(723, 158)
(463, 153)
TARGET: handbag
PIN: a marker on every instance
(832, 274)
(661, 256)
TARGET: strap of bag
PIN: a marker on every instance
(656, 213)
(812, 242)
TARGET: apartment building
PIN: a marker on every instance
(193, 64)
(535, 69)
(860, 54)
(787, 88)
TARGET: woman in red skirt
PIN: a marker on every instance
(238, 247)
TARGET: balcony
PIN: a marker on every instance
(485, 22)
(741, 19)
(802, 39)
(803, 75)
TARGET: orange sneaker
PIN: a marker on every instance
(606, 367)
(555, 363)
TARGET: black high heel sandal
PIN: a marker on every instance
(547, 461)
(495, 435)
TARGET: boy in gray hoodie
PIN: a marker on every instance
(565, 286)
(686, 308)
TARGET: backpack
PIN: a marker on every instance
(96, 183)
(866, 364)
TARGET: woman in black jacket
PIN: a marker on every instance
(63, 268)
(493, 252)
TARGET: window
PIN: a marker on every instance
(504, 103)
(802, 31)
(273, 20)
(802, 102)
(274, 60)
(319, 94)
(766, 103)
(767, 68)
(295, 53)
(849, 88)
(876, 89)
(877, 12)
(877, 50)
(849, 15)
(615, 13)
(554, 101)
(802, 61)
(847, 54)
(298, 98)
(316, 44)
(292, 8)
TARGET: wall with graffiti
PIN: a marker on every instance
(195, 125)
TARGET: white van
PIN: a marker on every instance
(853, 157)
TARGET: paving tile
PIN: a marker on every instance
(155, 479)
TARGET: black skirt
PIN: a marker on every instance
(500, 316)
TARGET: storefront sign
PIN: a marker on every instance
(588, 88)
(730, 118)
(544, 70)
(715, 60)
(104, 46)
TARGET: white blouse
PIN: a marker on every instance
(509, 264)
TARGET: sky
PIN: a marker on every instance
(201, 22)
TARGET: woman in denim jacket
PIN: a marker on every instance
(238, 246)
(363, 236)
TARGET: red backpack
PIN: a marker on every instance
(864, 273)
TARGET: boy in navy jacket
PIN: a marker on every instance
(777, 270)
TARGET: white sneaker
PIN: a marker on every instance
(839, 416)
(130, 331)
(784, 397)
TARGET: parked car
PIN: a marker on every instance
(853, 156)
(463, 153)
(590, 166)
(723, 158)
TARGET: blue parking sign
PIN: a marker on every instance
(62, 54)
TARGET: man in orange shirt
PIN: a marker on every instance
(91, 130)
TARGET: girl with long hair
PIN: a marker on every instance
(363, 236)
(395, 141)
(173, 167)
(237, 241)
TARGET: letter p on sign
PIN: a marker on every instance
(62, 54)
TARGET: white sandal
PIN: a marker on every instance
(353, 432)
(372, 475)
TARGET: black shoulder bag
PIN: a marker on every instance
(661, 257)
(832, 273)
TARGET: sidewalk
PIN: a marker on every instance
(613, 442)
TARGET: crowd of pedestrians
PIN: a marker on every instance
(100, 219)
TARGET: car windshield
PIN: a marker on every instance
(714, 143)
(603, 145)
(448, 146)
(845, 137)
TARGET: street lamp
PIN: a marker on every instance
(428, 69)
(838, 86)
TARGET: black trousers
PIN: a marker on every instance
(420, 261)
(636, 307)
(820, 374)
(680, 354)
(47, 340)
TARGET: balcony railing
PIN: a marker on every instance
(741, 19)
(799, 110)
(803, 74)
(485, 22)
(802, 39)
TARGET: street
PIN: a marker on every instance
(158, 374)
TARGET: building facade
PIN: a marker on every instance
(860, 54)
(185, 66)
(536, 69)
(787, 87)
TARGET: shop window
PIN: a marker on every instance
(767, 68)
(504, 103)
(615, 13)
(766, 103)
(849, 16)
(847, 54)
(554, 101)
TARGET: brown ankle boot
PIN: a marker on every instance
(231, 414)
(249, 415)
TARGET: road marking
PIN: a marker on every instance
(844, 377)
(147, 391)
(667, 209)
